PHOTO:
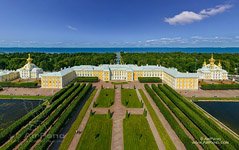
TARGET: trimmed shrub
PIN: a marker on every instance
(209, 121)
(17, 125)
(55, 129)
(197, 134)
(149, 80)
(220, 86)
(1, 88)
(87, 79)
(19, 84)
(60, 93)
(197, 119)
(64, 101)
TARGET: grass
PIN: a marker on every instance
(117, 83)
(23, 97)
(71, 133)
(129, 98)
(105, 98)
(137, 134)
(161, 130)
(97, 134)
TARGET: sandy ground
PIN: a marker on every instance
(29, 91)
(210, 93)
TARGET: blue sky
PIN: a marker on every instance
(119, 23)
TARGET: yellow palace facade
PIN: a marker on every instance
(121, 72)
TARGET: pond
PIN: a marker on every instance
(226, 112)
(11, 110)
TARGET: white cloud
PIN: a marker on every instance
(187, 17)
(71, 28)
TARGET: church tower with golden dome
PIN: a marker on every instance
(30, 70)
(212, 71)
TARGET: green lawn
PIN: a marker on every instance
(137, 134)
(23, 97)
(70, 134)
(97, 134)
(129, 98)
(106, 98)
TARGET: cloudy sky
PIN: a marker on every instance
(119, 23)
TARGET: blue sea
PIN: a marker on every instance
(127, 50)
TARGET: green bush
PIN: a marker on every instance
(17, 125)
(87, 79)
(172, 121)
(196, 119)
(230, 138)
(220, 86)
(149, 80)
(1, 88)
(19, 84)
(55, 129)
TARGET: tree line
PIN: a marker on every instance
(183, 61)
(54, 61)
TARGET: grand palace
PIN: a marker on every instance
(118, 72)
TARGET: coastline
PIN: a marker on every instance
(119, 49)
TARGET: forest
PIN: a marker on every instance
(54, 61)
(183, 61)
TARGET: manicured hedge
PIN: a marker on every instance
(59, 94)
(188, 143)
(55, 129)
(19, 84)
(220, 86)
(196, 118)
(71, 133)
(191, 127)
(50, 120)
(87, 79)
(149, 80)
(37, 120)
(17, 125)
(158, 124)
(1, 88)
(229, 137)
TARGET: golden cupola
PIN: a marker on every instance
(29, 59)
(219, 64)
(211, 60)
(204, 63)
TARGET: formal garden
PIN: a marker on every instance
(84, 114)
